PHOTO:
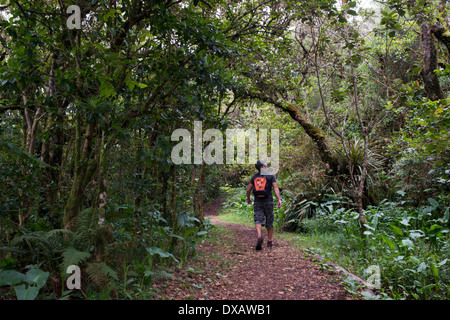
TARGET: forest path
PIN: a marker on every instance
(231, 269)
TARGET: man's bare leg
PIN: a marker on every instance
(259, 235)
(258, 230)
(270, 234)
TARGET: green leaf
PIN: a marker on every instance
(188, 232)
(422, 267)
(107, 90)
(396, 230)
(16, 151)
(401, 192)
(141, 85)
(26, 293)
(446, 216)
(433, 202)
(405, 222)
(389, 242)
(436, 230)
(416, 70)
(10, 277)
(162, 253)
(110, 14)
(440, 264)
(130, 83)
(407, 243)
(374, 222)
(37, 277)
(184, 219)
(435, 270)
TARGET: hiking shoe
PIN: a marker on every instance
(259, 244)
(270, 244)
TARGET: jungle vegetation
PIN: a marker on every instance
(358, 91)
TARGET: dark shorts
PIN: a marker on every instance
(264, 213)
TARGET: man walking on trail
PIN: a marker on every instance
(262, 184)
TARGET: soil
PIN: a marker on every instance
(231, 269)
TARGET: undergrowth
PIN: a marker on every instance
(408, 245)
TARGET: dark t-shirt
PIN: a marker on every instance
(260, 184)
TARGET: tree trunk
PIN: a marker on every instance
(102, 180)
(173, 204)
(443, 35)
(201, 192)
(430, 78)
(318, 137)
(52, 153)
(194, 191)
(85, 167)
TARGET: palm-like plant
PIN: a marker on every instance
(355, 157)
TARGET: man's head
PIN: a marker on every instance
(260, 164)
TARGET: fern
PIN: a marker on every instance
(86, 220)
(99, 272)
(71, 247)
(59, 236)
(52, 239)
(72, 256)
(87, 229)
(32, 239)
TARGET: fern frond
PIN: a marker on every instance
(72, 256)
(32, 239)
(87, 229)
(55, 232)
(99, 272)
(58, 236)
(86, 220)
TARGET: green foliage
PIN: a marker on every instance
(72, 256)
(86, 118)
(409, 245)
(99, 272)
(26, 286)
(355, 156)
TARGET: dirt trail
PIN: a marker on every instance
(232, 269)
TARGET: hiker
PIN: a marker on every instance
(262, 184)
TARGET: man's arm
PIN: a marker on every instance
(249, 190)
(277, 193)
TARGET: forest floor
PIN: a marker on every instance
(227, 267)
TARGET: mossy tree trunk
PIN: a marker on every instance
(84, 168)
(430, 64)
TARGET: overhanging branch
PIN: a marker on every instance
(312, 131)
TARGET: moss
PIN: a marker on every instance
(442, 34)
(293, 111)
(311, 130)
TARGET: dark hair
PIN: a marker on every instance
(259, 164)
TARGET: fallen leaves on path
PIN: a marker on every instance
(232, 269)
